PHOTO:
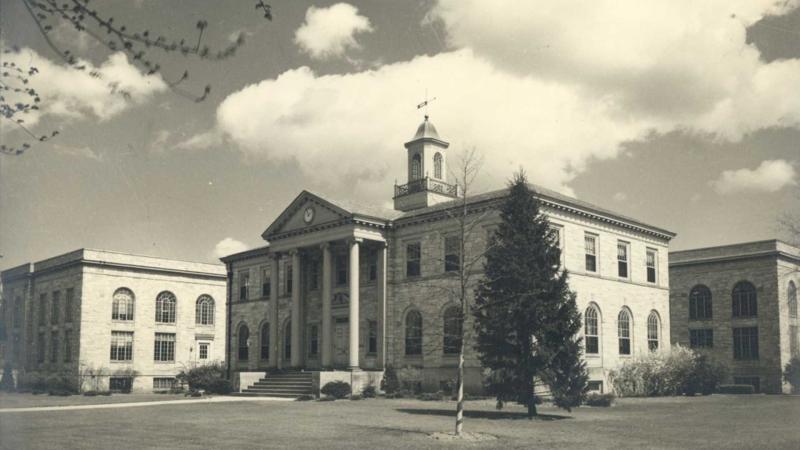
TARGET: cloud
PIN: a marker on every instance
(97, 92)
(620, 197)
(228, 246)
(770, 176)
(80, 152)
(330, 32)
(202, 140)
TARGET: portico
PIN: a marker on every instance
(323, 250)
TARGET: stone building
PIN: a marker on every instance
(342, 290)
(102, 316)
(739, 303)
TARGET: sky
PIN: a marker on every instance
(682, 114)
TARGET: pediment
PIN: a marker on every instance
(293, 218)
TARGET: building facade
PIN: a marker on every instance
(738, 303)
(113, 320)
(344, 287)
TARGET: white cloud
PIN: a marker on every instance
(228, 246)
(770, 176)
(70, 93)
(201, 140)
(80, 152)
(330, 32)
(620, 197)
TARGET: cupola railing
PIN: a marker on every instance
(426, 184)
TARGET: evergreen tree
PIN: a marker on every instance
(526, 319)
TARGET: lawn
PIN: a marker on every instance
(719, 421)
(29, 400)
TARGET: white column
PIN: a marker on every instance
(354, 316)
(381, 294)
(327, 331)
(274, 324)
(297, 351)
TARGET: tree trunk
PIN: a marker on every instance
(460, 391)
(531, 399)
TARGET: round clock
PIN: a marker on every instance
(308, 215)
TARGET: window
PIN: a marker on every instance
(67, 345)
(122, 305)
(416, 167)
(558, 234)
(202, 352)
(372, 337)
(791, 298)
(163, 383)
(745, 343)
(651, 266)
(590, 242)
(204, 310)
(591, 331)
(595, 386)
(452, 330)
(289, 279)
(18, 312)
(121, 345)
(437, 166)
(164, 347)
(54, 346)
(744, 300)
(793, 343)
(265, 341)
(287, 340)
(700, 303)
(40, 347)
(313, 340)
(313, 275)
(653, 329)
(341, 270)
(413, 333)
(413, 254)
(120, 384)
(70, 299)
(373, 265)
(165, 307)
(55, 305)
(452, 254)
(244, 285)
(701, 338)
(622, 259)
(42, 309)
(244, 343)
(266, 284)
(624, 332)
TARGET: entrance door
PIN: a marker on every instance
(341, 342)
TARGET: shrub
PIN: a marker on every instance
(305, 398)
(61, 384)
(791, 373)
(222, 387)
(32, 382)
(90, 393)
(390, 384)
(326, 399)
(431, 396)
(208, 377)
(736, 389)
(410, 379)
(369, 391)
(597, 399)
(7, 382)
(706, 376)
(356, 397)
(449, 387)
(336, 389)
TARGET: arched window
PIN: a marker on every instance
(204, 311)
(265, 341)
(416, 167)
(437, 165)
(744, 300)
(453, 324)
(591, 331)
(653, 331)
(165, 307)
(244, 342)
(413, 333)
(122, 306)
(624, 332)
(791, 298)
(287, 340)
(700, 303)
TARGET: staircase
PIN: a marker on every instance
(287, 384)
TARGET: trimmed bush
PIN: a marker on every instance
(208, 377)
(336, 389)
(305, 398)
(326, 399)
(706, 376)
(431, 396)
(390, 384)
(369, 391)
(791, 373)
(599, 400)
(736, 389)
(356, 397)
(7, 383)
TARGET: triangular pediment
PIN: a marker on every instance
(296, 216)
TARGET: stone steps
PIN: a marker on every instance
(286, 385)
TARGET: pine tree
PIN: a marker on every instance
(526, 319)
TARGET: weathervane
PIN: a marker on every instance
(425, 104)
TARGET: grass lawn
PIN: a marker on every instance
(719, 421)
(29, 400)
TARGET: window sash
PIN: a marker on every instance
(701, 338)
(413, 256)
(700, 306)
(164, 348)
(745, 343)
(70, 298)
(244, 286)
(413, 337)
(121, 346)
(54, 344)
(165, 308)
(203, 351)
(341, 270)
(651, 266)
(265, 341)
(372, 337)
(56, 303)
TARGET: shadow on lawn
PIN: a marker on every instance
(492, 415)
